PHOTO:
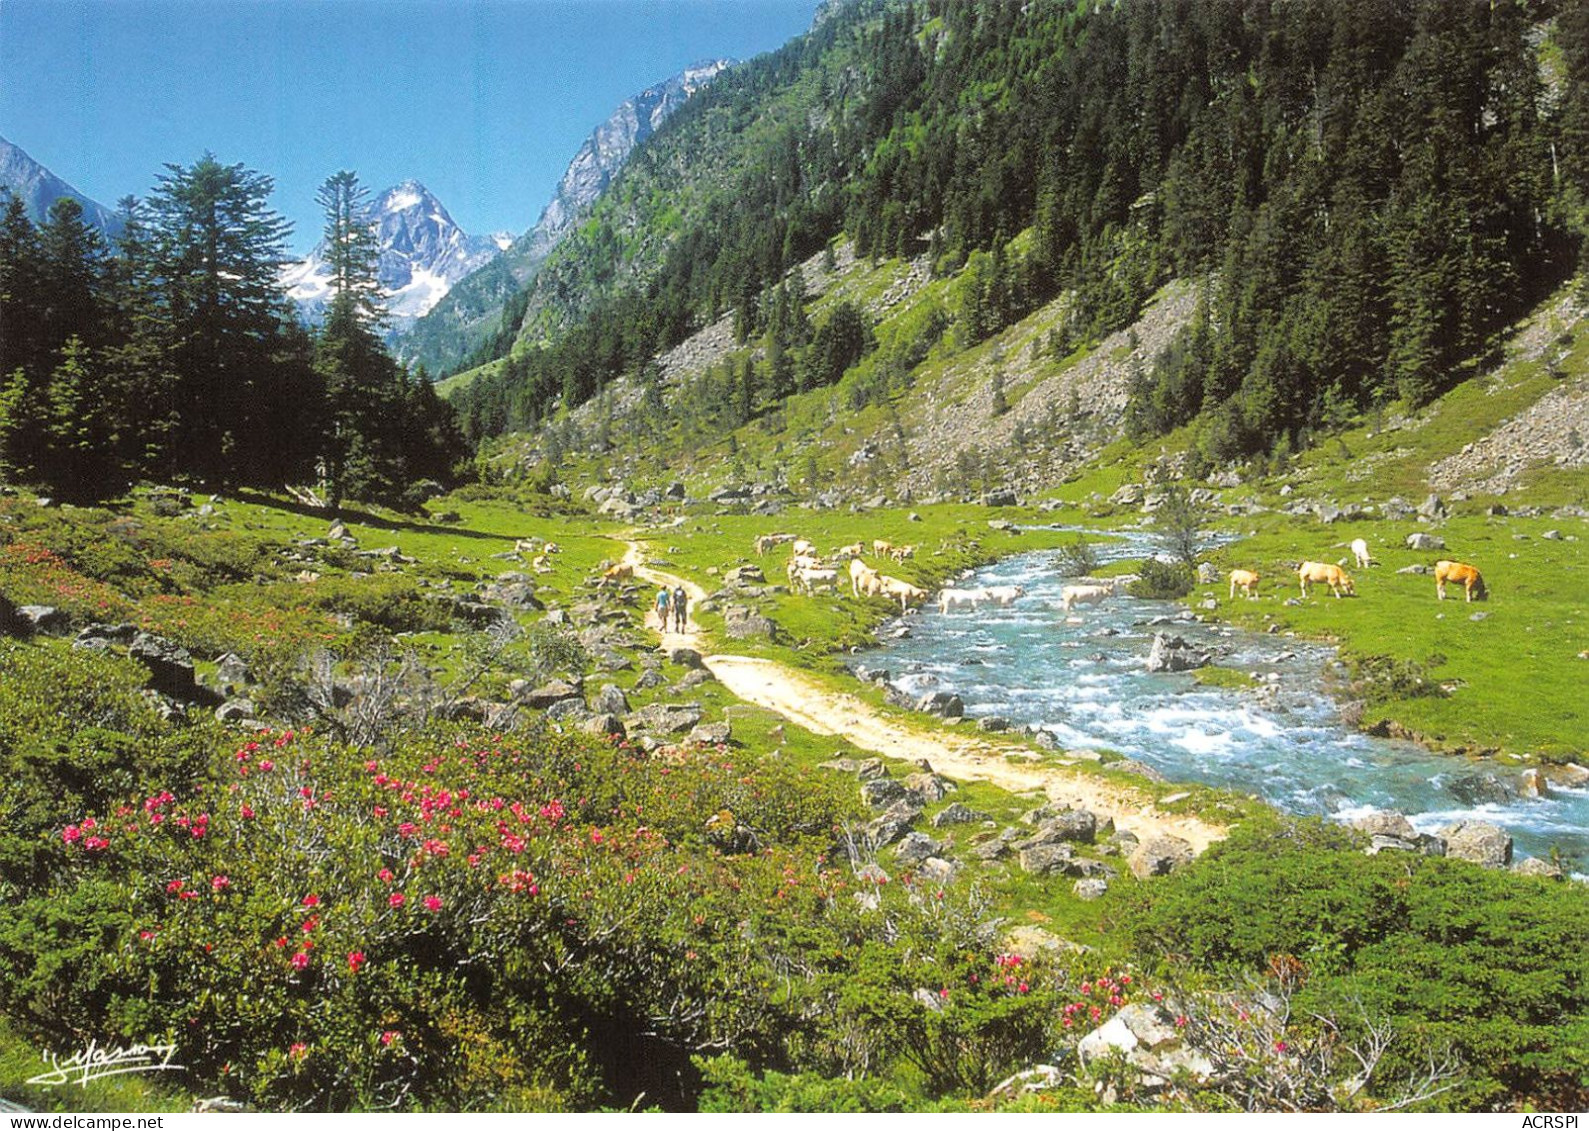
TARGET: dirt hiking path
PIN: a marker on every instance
(822, 710)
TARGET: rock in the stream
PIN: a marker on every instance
(1174, 654)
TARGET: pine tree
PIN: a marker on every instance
(352, 251)
(218, 249)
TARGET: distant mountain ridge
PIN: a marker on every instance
(423, 252)
(471, 310)
(38, 188)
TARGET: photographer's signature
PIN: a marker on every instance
(95, 1060)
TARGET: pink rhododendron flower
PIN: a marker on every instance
(396, 899)
(355, 960)
(220, 883)
(311, 900)
(432, 903)
(300, 960)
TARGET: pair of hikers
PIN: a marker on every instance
(677, 603)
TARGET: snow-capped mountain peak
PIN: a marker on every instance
(423, 252)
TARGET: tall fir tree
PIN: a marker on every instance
(218, 249)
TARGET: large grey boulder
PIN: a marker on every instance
(555, 691)
(603, 725)
(929, 787)
(666, 718)
(100, 637)
(1046, 859)
(170, 665)
(610, 700)
(1151, 1043)
(956, 814)
(42, 619)
(1418, 540)
(914, 848)
(1479, 843)
(944, 703)
(1159, 856)
(880, 793)
(1482, 789)
(743, 624)
(1173, 654)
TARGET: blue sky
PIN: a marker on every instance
(485, 101)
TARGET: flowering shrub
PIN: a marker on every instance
(316, 928)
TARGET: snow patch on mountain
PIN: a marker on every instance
(423, 252)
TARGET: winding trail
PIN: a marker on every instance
(822, 710)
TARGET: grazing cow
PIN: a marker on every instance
(540, 564)
(1323, 573)
(904, 590)
(810, 580)
(623, 571)
(900, 553)
(798, 563)
(553, 548)
(1472, 583)
(803, 548)
(765, 542)
(1004, 595)
(1073, 595)
(1360, 553)
(853, 550)
(526, 545)
(961, 599)
(863, 578)
(1245, 580)
(882, 549)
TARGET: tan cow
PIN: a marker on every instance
(1323, 573)
(900, 553)
(623, 571)
(765, 542)
(1245, 580)
(1472, 583)
(882, 549)
(863, 579)
(803, 548)
(906, 592)
(853, 550)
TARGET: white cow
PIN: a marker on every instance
(1073, 595)
(802, 547)
(961, 599)
(1360, 553)
(1004, 595)
(863, 579)
(810, 580)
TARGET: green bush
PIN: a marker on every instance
(1163, 581)
(1489, 965)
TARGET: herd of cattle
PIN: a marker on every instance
(810, 573)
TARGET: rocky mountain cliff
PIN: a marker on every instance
(39, 188)
(423, 252)
(472, 309)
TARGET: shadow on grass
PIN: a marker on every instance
(365, 518)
